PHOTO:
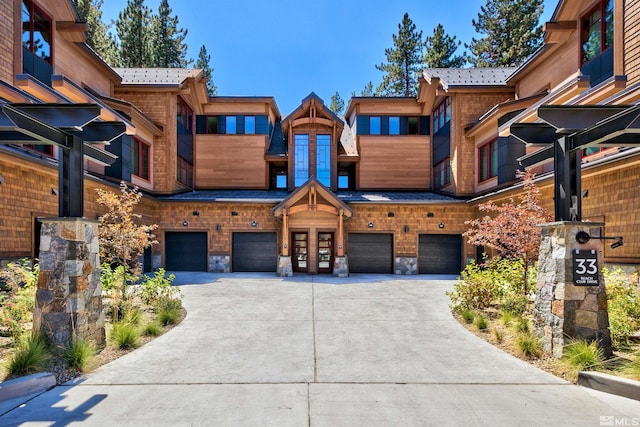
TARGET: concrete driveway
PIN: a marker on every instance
(315, 350)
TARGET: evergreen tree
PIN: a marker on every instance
(337, 103)
(204, 61)
(98, 37)
(512, 33)
(167, 44)
(404, 61)
(133, 28)
(440, 49)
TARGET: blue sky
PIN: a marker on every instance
(287, 48)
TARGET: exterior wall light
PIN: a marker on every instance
(234, 213)
(406, 228)
(391, 214)
(371, 225)
(254, 224)
(218, 228)
(185, 223)
(430, 215)
(441, 225)
(195, 213)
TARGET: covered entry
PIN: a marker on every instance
(371, 253)
(312, 229)
(439, 254)
(185, 251)
(254, 252)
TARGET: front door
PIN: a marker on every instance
(300, 247)
(325, 252)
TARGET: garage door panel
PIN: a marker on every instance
(255, 252)
(370, 253)
(186, 251)
(440, 254)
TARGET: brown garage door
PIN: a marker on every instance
(440, 254)
(370, 253)
(255, 252)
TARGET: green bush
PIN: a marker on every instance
(114, 281)
(31, 356)
(169, 311)
(78, 354)
(158, 287)
(132, 315)
(467, 315)
(522, 325)
(18, 300)
(528, 344)
(125, 335)
(498, 334)
(583, 355)
(152, 329)
(506, 317)
(482, 323)
(623, 294)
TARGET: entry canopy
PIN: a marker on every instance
(568, 129)
(73, 128)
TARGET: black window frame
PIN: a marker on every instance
(33, 10)
(438, 173)
(587, 26)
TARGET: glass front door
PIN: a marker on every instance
(300, 247)
(325, 252)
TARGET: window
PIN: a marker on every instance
(414, 126)
(323, 159)
(230, 125)
(185, 118)
(301, 159)
(212, 124)
(374, 125)
(597, 30)
(249, 124)
(442, 114)
(343, 180)
(45, 149)
(442, 173)
(281, 179)
(36, 31)
(394, 125)
(488, 159)
(185, 172)
(140, 159)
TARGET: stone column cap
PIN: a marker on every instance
(70, 219)
(572, 224)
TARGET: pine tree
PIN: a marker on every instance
(512, 33)
(98, 37)
(204, 61)
(337, 103)
(440, 49)
(168, 47)
(404, 61)
(133, 28)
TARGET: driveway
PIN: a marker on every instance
(315, 350)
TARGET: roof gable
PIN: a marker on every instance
(313, 190)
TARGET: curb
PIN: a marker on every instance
(610, 384)
(19, 388)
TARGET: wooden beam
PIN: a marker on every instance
(558, 32)
(73, 31)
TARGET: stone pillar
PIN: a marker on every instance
(69, 294)
(285, 268)
(341, 266)
(564, 311)
(406, 265)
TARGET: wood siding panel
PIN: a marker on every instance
(72, 61)
(565, 63)
(230, 108)
(410, 107)
(632, 41)
(230, 161)
(7, 42)
(399, 162)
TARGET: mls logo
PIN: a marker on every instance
(607, 420)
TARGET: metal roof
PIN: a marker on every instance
(451, 77)
(156, 76)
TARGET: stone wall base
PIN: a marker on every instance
(341, 266)
(285, 267)
(219, 264)
(406, 265)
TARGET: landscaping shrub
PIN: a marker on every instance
(467, 315)
(152, 329)
(521, 324)
(31, 356)
(498, 335)
(528, 344)
(583, 355)
(623, 295)
(18, 299)
(477, 289)
(158, 287)
(125, 335)
(169, 311)
(481, 322)
(132, 315)
(78, 354)
(506, 317)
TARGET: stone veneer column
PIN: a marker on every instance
(341, 266)
(564, 311)
(69, 294)
(285, 268)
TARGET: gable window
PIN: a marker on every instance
(394, 125)
(212, 124)
(414, 126)
(442, 173)
(323, 159)
(488, 161)
(374, 125)
(249, 124)
(140, 159)
(301, 159)
(597, 30)
(230, 125)
(185, 118)
(442, 114)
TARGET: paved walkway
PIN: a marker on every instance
(314, 350)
